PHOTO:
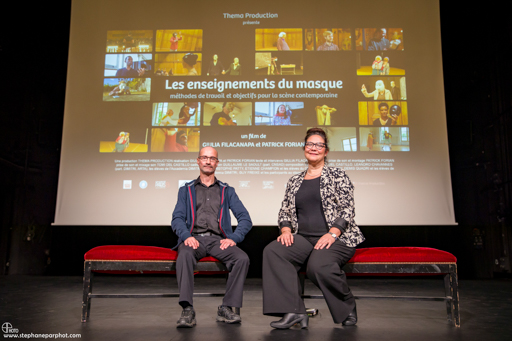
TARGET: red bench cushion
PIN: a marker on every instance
(402, 255)
(135, 253)
(365, 255)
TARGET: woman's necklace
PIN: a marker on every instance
(316, 174)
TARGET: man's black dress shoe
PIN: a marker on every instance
(351, 319)
(289, 320)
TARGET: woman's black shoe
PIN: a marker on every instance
(290, 319)
(351, 319)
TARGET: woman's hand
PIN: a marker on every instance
(286, 237)
(327, 239)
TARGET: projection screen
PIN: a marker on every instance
(150, 83)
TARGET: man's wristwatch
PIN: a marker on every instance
(333, 235)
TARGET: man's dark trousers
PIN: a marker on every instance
(236, 261)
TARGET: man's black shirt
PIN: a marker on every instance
(207, 207)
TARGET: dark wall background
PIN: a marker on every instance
(477, 70)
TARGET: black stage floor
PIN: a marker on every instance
(52, 305)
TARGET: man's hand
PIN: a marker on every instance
(192, 242)
(225, 243)
(286, 237)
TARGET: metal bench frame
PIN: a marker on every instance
(449, 270)
(141, 267)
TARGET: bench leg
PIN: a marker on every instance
(451, 284)
(87, 290)
(302, 280)
(455, 291)
(448, 293)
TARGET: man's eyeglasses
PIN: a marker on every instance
(206, 158)
(318, 145)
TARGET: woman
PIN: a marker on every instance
(369, 141)
(121, 142)
(377, 65)
(282, 117)
(385, 66)
(189, 60)
(216, 67)
(281, 42)
(174, 41)
(167, 119)
(317, 225)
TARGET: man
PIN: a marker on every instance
(121, 89)
(222, 118)
(128, 43)
(185, 112)
(380, 92)
(274, 68)
(203, 224)
(180, 143)
(386, 140)
(328, 45)
(379, 41)
(235, 69)
(282, 45)
(308, 43)
(384, 120)
(395, 91)
(216, 68)
(129, 71)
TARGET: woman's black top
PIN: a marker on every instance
(310, 214)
